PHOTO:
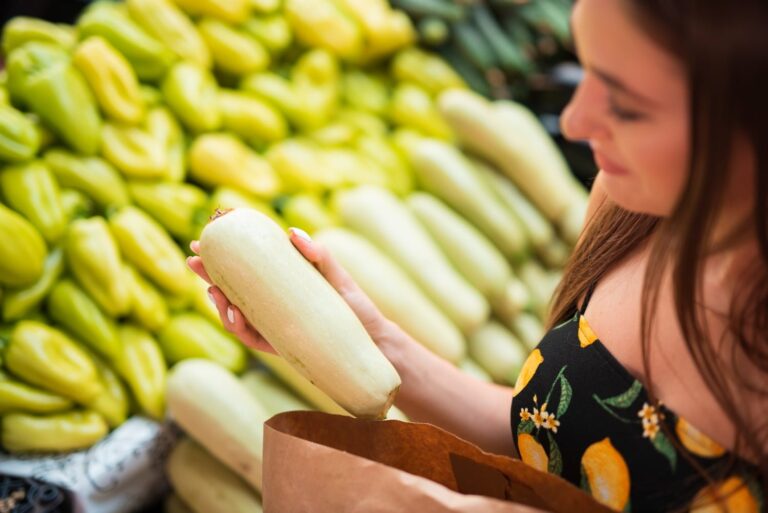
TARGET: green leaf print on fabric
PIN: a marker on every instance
(662, 444)
(566, 392)
(625, 400)
(526, 426)
(555, 465)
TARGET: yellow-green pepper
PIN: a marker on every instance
(72, 308)
(149, 58)
(413, 107)
(21, 29)
(355, 168)
(94, 260)
(233, 50)
(366, 92)
(19, 137)
(146, 245)
(315, 78)
(234, 12)
(42, 78)
(200, 300)
(18, 396)
(272, 31)
(32, 190)
(48, 358)
(19, 302)
(188, 335)
(385, 30)
(134, 151)
(92, 176)
(112, 402)
(380, 151)
(322, 24)
(60, 432)
(76, 204)
(111, 78)
(364, 122)
(426, 70)
(22, 250)
(173, 205)
(307, 211)
(166, 22)
(142, 366)
(162, 125)
(148, 308)
(4, 97)
(298, 164)
(277, 91)
(223, 159)
(251, 118)
(192, 94)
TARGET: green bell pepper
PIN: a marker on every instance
(92, 176)
(188, 335)
(192, 94)
(142, 366)
(76, 204)
(19, 137)
(273, 31)
(94, 259)
(146, 245)
(19, 302)
(42, 78)
(61, 432)
(148, 56)
(252, 118)
(32, 190)
(163, 126)
(22, 250)
(72, 308)
(18, 396)
(316, 81)
(48, 358)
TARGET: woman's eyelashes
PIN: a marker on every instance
(623, 114)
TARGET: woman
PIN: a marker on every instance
(671, 272)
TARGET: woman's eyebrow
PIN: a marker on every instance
(617, 85)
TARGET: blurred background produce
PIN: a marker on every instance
(125, 125)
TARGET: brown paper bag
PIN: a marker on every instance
(320, 463)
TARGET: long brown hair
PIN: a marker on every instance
(725, 49)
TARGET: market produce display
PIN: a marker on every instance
(120, 136)
(497, 46)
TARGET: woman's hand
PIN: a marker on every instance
(234, 321)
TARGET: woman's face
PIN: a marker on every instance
(632, 107)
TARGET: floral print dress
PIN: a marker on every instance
(578, 413)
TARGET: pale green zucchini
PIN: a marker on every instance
(528, 329)
(471, 367)
(252, 260)
(214, 408)
(206, 485)
(445, 172)
(394, 293)
(384, 220)
(497, 351)
(272, 394)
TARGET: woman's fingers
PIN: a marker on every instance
(234, 322)
(196, 264)
(195, 247)
(319, 256)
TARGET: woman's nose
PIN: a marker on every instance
(582, 118)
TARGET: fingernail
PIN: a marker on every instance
(230, 315)
(210, 296)
(301, 233)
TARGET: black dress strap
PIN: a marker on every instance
(587, 297)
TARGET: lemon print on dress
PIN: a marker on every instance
(587, 337)
(529, 369)
(696, 441)
(607, 474)
(735, 494)
(531, 452)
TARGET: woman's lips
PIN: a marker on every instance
(609, 166)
